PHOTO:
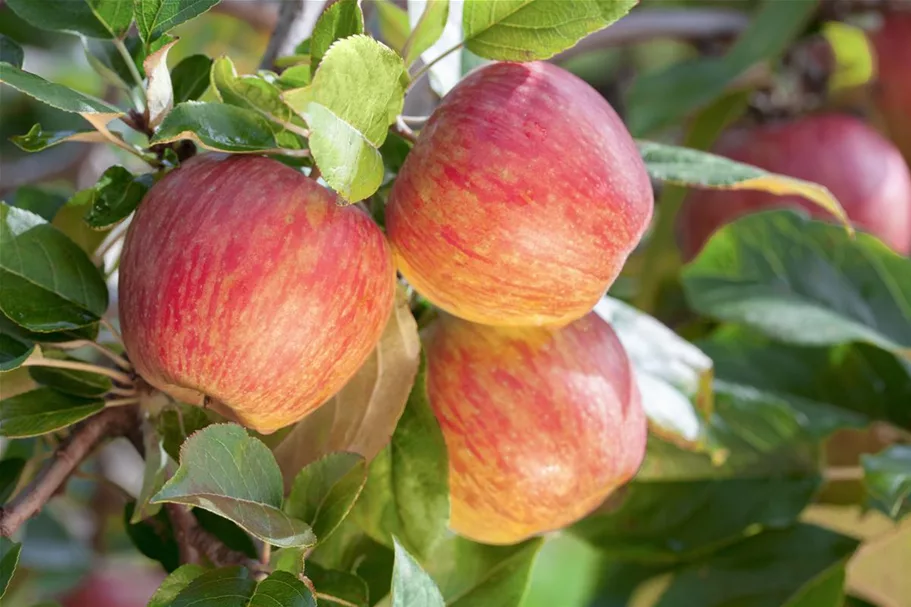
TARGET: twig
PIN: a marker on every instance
(194, 540)
(68, 456)
(85, 343)
(403, 130)
(843, 474)
(295, 22)
(40, 361)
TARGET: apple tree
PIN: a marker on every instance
(473, 302)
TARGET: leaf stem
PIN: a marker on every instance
(131, 65)
(121, 402)
(83, 343)
(114, 332)
(122, 391)
(40, 361)
(426, 68)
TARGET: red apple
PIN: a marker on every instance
(893, 82)
(862, 169)
(244, 285)
(123, 586)
(521, 200)
(541, 423)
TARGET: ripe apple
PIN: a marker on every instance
(521, 200)
(862, 169)
(893, 84)
(541, 423)
(245, 286)
(122, 586)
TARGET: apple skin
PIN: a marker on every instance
(244, 285)
(893, 84)
(130, 586)
(541, 423)
(521, 200)
(861, 168)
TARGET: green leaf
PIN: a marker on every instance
(338, 587)
(407, 490)
(49, 284)
(410, 584)
(9, 558)
(190, 78)
(689, 167)
(226, 471)
(525, 30)
(182, 577)
(667, 521)
(38, 200)
(43, 410)
(393, 24)
(294, 77)
(219, 127)
(254, 93)
(660, 99)
(470, 574)
(115, 196)
(37, 139)
(342, 19)
(10, 51)
(156, 17)
(345, 137)
(177, 423)
(105, 58)
(324, 492)
(427, 31)
(229, 533)
(157, 469)
(93, 18)
(848, 385)
(153, 537)
(235, 587)
(887, 476)
(55, 95)
(671, 373)
(10, 470)
(13, 351)
(768, 570)
(69, 381)
(804, 282)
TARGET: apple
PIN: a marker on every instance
(246, 287)
(541, 423)
(521, 200)
(893, 86)
(121, 586)
(861, 168)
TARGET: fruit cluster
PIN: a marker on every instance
(244, 287)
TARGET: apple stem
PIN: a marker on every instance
(85, 343)
(426, 68)
(40, 361)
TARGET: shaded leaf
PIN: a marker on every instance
(153, 536)
(236, 587)
(10, 51)
(177, 423)
(407, 490)
(666, 521)
(410, 584)
(156, 470)
(94, 18)
(9, 559)
(182, 577)
(155, 17)
(337, 587)
(229, 533)
(669, 373)
(43, 410)
(684, 166)
(55, 95)
(226, 471)
(40, 201)
(190, 78)
(219, 127)
(116, 195)
(37, 139)
(362, 416)
(340, 20)
(887, 477)
(427, 30)
(659, 99)
(804, 282)
(525, 30)
(13, 351)
(324, 492)
(345, 137)
(10, 470)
